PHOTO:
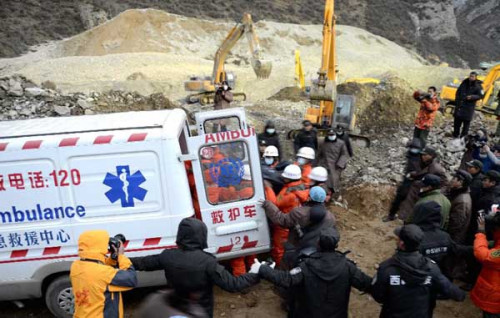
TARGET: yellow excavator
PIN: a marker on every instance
(334, 110)
(205, 88)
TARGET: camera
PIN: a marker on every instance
(114, 243)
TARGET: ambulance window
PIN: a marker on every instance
(222, 124)
(183, 143)
(227, 175)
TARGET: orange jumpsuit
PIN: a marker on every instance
(291, 196)
(306, 170)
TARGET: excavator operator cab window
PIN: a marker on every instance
(222, 124)
(227, 176)
(344, 111)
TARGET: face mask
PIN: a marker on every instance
(301, 161)
(269, 160)
(340, 133)
(483, 155)
(332, 138)
(270, 131)
(225, 87)
(414, 151)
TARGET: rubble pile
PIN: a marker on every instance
(22, 99)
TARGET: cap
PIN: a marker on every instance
(411, 235)
(431, 180)
(464, 176)
(429, 151)
(306, 123)
(476, 164)
(262, 142)
(329, 239)
(331, 132)
(317, 194)
(493, 175)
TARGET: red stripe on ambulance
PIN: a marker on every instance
(103, 140)
(18, 253)
(249, 244)
(152, 241)
(3, 146)
(137, 137)
(32, 144)
(51, 250)
(225, 249)
(69, 142)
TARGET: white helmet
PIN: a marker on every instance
(271, 151)
(318, 174)
(247, 175)
(292, 172)
(307, 152)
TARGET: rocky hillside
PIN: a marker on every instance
(460, 32)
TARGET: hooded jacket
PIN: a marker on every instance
(486, 292)
(321, 283)
(192, 272)
(437, 244)
(407, 285)
(97, 283)
(436, 196)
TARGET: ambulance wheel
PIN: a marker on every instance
(59, 297)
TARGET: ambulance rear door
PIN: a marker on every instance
(229, 202)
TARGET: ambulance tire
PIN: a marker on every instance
(59, 297)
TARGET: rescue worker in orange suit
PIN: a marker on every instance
(429, 106)
(244, 192)
(305, 158)
(98, 280)
(486, 292)
(319, 177)
(293, 194)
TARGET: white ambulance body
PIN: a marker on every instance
(124, 173)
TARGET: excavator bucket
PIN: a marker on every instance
(324, 91)
(262, 68)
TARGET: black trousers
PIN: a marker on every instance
(401, 194)
(421, 134)
(457, 123)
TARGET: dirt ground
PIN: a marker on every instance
(369, 240)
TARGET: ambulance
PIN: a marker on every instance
(126, 173)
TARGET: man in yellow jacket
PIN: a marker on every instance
(98, 280)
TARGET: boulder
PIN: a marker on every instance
(15, 88)
(62, 110)
(35, 91)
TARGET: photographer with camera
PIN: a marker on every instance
(97, 279)
(429, 105)
(486, 292)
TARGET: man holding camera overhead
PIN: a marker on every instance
(429, 105)
(97, 279)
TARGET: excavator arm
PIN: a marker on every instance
(261, 67)
(489, 82)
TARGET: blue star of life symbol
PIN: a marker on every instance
(124, 186)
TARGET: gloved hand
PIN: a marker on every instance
(254, 269)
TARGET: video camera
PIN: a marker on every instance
(424, 96)
(114, 243)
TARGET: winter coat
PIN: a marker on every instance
(191, 271)
(439, 198)
(292, 195)
(437, 244)
(460, 213)
(165, 304)
(464, 108)
(97, 280)
(347, 140)
(306, 139)
(475, 189)
(489, 196)
(298, 216)
(223, 99)
(407, 284)
(413, 194)
(320, 284)
(426, 114)
(270, 139)
(333, 155)
(486, 292)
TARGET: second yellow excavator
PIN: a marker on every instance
(205, 88)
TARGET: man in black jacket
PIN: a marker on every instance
(270, 136)
(322, 282)
(190, 271)
(475, 167)
(307, 137)
(468, 93)
(407, 284)
(344, 136)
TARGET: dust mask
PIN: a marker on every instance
(225, 87)
(301, 161)
(332, 137)
(269, 160)
(270, 131)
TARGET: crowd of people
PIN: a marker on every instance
(447, 224)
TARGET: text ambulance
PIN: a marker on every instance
(136, 173)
